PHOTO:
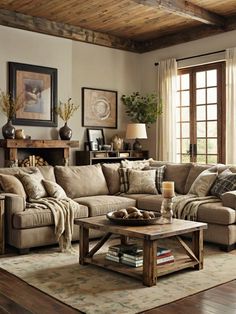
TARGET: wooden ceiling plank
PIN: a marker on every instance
(41, 25)
(185, 9)
(186, 36)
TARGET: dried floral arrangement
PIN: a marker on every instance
(9, 105)
(66, 110)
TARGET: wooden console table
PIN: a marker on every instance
(55, 152)
(103, 156)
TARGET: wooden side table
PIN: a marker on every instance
(2, 224)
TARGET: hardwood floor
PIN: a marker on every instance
(17, 297)
(218, 300)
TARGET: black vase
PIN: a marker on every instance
(65, 132)
(8, 130)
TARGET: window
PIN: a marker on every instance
(200, 114)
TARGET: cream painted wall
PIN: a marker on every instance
(79, 65)
(85, 65)
(193, 48)
(101, 67)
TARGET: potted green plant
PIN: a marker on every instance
(142, 109)
(65, 111)
(9, 107)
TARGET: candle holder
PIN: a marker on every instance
(166, 211)
(168, 192)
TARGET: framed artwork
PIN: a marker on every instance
(99, 108)
(95, 138)
(36, 87)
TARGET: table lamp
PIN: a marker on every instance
(136, 131)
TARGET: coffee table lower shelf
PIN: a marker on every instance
(137, 272)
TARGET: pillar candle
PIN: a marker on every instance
(168, 189)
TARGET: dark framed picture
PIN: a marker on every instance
(95, 138)
(36, 87)
(99, 108)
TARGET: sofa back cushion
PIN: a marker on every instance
(47, 172)
(111, 173)
(177, 173)
(78, 181)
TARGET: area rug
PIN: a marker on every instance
(91, 289)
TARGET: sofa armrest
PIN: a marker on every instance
(229, 199)
(14, 203)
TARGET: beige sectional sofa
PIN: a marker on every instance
(97, 189)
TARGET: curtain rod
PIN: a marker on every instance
(202, 55)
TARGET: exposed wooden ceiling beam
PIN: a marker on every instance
(185, 9)
(187, 35)
(41, 25)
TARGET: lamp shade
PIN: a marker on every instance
(136, 130)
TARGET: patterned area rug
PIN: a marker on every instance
(94, 290)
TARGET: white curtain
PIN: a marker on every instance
(166, 124)
(231, 106)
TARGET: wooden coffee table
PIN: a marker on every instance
(150, 235)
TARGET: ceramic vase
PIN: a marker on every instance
(8, 130)
(65, 132)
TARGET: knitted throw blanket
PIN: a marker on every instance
(186, 206)
(63, 212)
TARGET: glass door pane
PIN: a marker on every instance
(201, 114)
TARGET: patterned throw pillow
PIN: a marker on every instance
(32, 183)
(124, 179)
(225, 182)
(54, 190)
(135, 164)
(141, 182)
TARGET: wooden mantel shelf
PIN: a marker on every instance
(55, 152)
(38, 143)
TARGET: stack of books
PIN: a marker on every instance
(132, 255)
(164, 256)
(113, 253)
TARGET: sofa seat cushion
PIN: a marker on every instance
(150, 202)
(216, 213)
(103, 204)
(135, 196)
(33, 218)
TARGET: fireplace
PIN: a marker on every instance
(24, 152)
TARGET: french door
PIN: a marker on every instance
(200, 114)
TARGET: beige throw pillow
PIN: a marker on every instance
(10, 184)
(111, 173)
(54, 190)
(33, 184)
(203, 183)
(142, 182)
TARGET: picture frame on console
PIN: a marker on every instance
(36, 87)
(96, 138)
(99, 108)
